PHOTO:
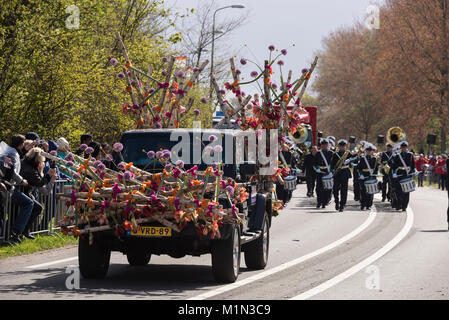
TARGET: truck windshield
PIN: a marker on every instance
(137, 144)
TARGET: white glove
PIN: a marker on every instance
(347, 161)
(395, 176)
(330, 175)
(362, 177)
(318, 170)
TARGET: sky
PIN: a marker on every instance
(283, 23)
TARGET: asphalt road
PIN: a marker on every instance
(314, 254)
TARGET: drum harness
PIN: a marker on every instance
(325, 162)
(407, 169)
(369, 167)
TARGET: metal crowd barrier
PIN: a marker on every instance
(46, 222)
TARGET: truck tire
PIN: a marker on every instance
(93, 259)
(138, 258)
(226, 257)
(256, 252)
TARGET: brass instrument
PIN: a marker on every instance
(301, 135)
(395, 135)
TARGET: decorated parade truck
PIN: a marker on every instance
(174, 191)
(220, 209)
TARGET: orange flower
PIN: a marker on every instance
(128, 89)
(157, 108)
(204, 203)
(176, 123)
(189, 84)
(129, 165)
(127, 64)
(128, 225)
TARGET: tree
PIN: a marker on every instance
(56, 80)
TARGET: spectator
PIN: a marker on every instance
(439, 172)
(420, 165)
(443, 174)
(86, 139)
(447, 188)
(10, 156)
(63, 147)
(432, 165)
(97, 148)
(32, 169)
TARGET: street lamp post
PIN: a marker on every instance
(235, 6)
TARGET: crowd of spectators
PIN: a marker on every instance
(25, 173)
(435, 168)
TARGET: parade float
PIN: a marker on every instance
(179, 208)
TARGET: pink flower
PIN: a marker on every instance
(117, 147)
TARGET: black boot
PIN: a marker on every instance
(28, 235)
(15, 237)
(342, 208)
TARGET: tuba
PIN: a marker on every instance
(395, 135)
(300, 136)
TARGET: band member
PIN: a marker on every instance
(322, 167)
(340, 162)
(386, 159)
(309, 170)
(403, 166)
(368, 170)
(355, 180)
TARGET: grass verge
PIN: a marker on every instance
(41, 243)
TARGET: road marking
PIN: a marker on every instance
(284, 266)
(360, 266)
(51, 263)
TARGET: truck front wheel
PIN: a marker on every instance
(226, 257)
(93, 259)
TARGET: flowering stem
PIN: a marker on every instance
(143, 73)
(205, 185)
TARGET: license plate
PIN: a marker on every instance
(151, 232)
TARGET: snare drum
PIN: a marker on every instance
(290, 183)
(371, 186)
(407, 185)
(328, 182)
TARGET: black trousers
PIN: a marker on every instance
(323, 195)
(340, 190)
(385, 185)
(310, 180)
(366, 199)
(403, 198)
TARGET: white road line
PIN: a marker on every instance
(365, 263)
(51, 263)
(289, 264)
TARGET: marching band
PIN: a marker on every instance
(395, 167)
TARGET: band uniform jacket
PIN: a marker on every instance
(363, 168)
(345, 171)
(319, 161)
(409, 161)
(387, 158)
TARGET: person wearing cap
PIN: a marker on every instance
(368, 170)
(403, 166)
(309, 170)
(322, 168)
(340, 162)
(386, 159)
